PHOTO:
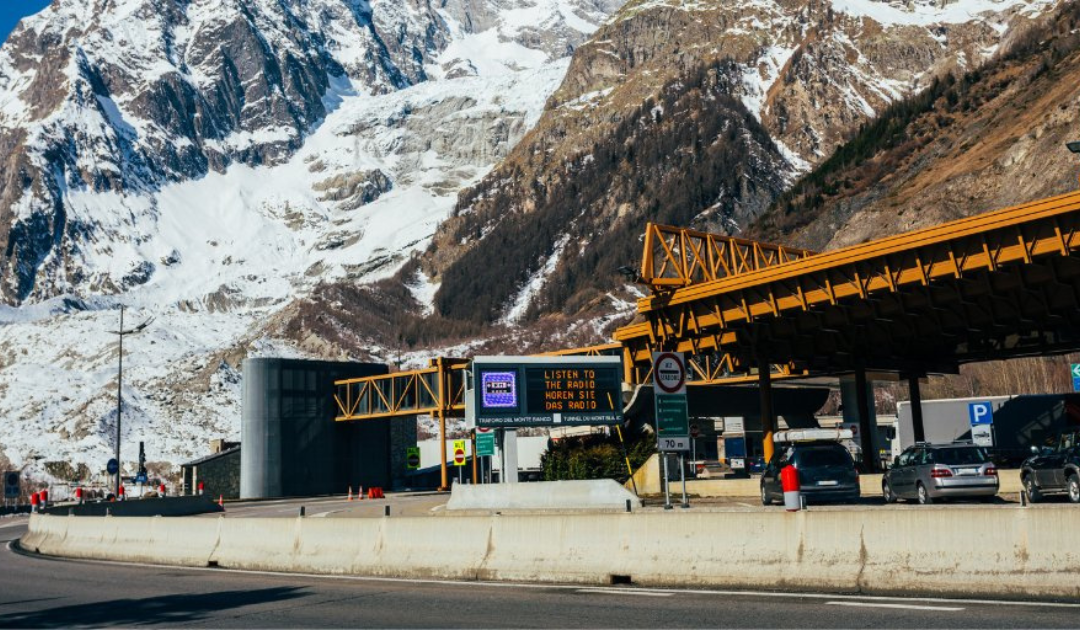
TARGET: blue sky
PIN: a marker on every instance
(12, 10)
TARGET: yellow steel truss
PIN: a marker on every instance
(679, 257)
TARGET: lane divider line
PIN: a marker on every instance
(624, 591)
(903, 606)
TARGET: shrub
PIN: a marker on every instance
(594, 456)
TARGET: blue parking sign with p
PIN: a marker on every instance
(981, 413)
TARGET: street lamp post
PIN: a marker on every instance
(119, 387)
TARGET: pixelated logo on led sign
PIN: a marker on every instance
(498, 390)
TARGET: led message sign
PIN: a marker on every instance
(547, 391)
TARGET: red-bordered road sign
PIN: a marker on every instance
(669, 373)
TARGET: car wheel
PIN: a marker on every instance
(886, 491)
(924, 495)
(1073, 484)
(765, 500)
(1033, 492)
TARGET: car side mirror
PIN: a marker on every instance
(896, 461)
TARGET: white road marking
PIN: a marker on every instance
(624, 591)
(903, 606)
(556, 587)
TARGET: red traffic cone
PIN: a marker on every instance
(120, 493)
(221, 501)
(161, 491)
(359, 493)
(350, 493)
(201, 488)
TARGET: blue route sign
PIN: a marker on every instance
(1075, 369)
(112, 467)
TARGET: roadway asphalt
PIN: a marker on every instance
(38, 592)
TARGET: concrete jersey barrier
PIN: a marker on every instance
(981, 551)
(168, 506)
(546, 495)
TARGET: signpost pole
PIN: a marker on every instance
(693, 454)
(474, 458)
(682, 476)
(667, 483)
(444, 483)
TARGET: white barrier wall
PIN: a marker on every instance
(998, 551)
(589, 494)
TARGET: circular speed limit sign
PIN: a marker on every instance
(669, 372)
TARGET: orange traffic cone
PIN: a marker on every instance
(359, 493)
(350, 493)
(221, 501)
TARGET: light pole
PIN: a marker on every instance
(119, 385)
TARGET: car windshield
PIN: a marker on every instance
(957, 456)
(818, 457)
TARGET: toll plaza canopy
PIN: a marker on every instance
(992, 286)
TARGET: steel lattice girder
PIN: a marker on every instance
(678, 257)
(404, 393)
(993, 285)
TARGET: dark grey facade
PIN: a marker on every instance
(291, 444)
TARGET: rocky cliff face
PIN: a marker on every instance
(124, 97)
(128, 96)
(980, 141)
(808, 73)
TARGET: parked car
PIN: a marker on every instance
(826, 472)
(1054, 469)
(927, 472)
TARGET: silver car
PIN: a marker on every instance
(927, 472)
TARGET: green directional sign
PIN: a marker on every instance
(672, 419)
(485, 443)
(412, 457)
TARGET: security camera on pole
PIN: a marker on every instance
(672, 418)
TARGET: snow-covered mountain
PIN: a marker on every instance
(208, 162)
